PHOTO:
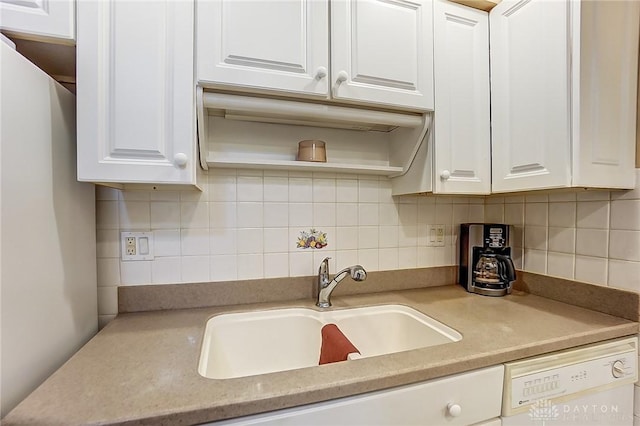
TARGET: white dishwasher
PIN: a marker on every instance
(590, 385)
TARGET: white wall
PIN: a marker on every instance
(246, 223)
(48, 268)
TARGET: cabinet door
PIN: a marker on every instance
(135, 91)
(382, 52)
(459, 399)
(39, 19)
(462, 125)
(604, 132)
(530, 82)
(258, 45)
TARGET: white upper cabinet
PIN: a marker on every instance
(563, 76)
(462, 137)
(136, 92)
(264, 45)
(381, 51)
(42, 20)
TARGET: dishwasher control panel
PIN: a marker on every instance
(571, 372)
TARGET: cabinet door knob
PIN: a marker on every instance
(454, 410)
(445, 174)
(321, 73)
(342, 77)
(180, 159)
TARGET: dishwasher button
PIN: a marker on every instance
(617, 369)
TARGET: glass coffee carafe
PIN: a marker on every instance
(493, 268)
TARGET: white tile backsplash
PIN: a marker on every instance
(625, 214)
(164, 214)
(134, 215)
(368, 191)
(276, 214)
(276, 189)
(107, 243)
(194, 242)
(166, 242)
(301, 264)
(591, 269)
(108, 300)
(562, 240)
(367, 237)
(324, 214)
(250, 188)
(535, 237)
(224, 267)
(560, 264)
(562, 214)
(592, 242)
(514, 214)
(246, 224)
(598, 232)
(250, 215)
(346, 190)
(535, 214)
(494, 213)
(388, 258)
(166, 270)
(593, 195)
(369, 257)
(250, 240)
(276, 265)
(252, 266)
(407, 258)
(388, 214)
(624, 274)
(276, 240)
(222, 188)
(593, 214)
(324, 190)
(223, 214)
(194, 215)
(135, 273)
(195, 268)
(108, 270)
(300, 190)
(346, 238)
(301, 214)
(107, 215)
(223, 241)
(535, 261)
(624, 245)
(368, 214)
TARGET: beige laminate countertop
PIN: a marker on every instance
(142, 368)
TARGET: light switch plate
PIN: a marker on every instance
(436, 236)
(137, 245)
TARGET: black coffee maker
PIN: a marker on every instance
(485, 259)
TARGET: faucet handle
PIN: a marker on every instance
(324, 266)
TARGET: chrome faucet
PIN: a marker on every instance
(326, 287)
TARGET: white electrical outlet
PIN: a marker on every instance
(137, 245)
(436, 237)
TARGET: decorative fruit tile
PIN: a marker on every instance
(313, 239)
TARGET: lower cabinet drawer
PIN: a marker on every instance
(460, 399)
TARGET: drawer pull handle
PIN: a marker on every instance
(454, 410)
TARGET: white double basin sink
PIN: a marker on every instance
(259, 342)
